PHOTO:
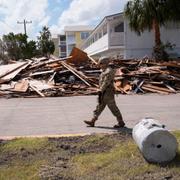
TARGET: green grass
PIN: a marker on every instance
(18, 167)
(115, 162)
(177, 135)
(121, 159)
(24, 143)
(121, 162)
(21, 171)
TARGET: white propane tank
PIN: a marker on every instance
(155, 142)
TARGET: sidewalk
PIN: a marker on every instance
(65, 115)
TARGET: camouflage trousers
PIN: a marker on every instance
(109, 100)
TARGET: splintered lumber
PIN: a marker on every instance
(49, 62)
(36, 90)
(92, 60)
(42, 73)
(56, 76)
(154, 90)
(172, 89)
(158, 89)
(78, 56)
(10, 71)
(122, 86)
(21, 86)
(75, 73)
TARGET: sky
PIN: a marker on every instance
(54, 13)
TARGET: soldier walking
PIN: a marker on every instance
(106, 94)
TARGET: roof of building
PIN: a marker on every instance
(103, 21)
(105, 18)
(78, 28)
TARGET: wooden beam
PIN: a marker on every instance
(13, 70)
(92, 60)
(75, 73)
(157, 88)
(154, 90)
(36, 90)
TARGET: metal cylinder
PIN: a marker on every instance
(155, 142)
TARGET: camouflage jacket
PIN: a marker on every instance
(106, 79)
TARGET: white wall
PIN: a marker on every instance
(172, 36)
(139, 46)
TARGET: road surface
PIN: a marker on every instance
(65, 115)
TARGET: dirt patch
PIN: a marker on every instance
(99, 156)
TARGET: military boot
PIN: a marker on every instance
(120, 124)
(92, 122)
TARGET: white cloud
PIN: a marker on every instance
(87, 12)
(42, 12)
(18, 10)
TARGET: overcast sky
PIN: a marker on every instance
(54, 13)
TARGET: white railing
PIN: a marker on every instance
(116, 39)
(98, 46)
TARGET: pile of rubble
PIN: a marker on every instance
(78, 75)
(146, 75)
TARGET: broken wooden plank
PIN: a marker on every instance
(36, 90)
(119, 88)
(92, 60)
(41, 73)
(21, 86)
(158, 88)
(169, 87)
(78, 56)
(55, 59)
(75, 73)
(10, 71)
(154, 90)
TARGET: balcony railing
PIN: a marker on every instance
(116, 39)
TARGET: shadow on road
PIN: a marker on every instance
(124, 129)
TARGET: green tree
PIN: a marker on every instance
(3, 56)
(18, 47)
(151, 15)
(12, 46)
(45, 44)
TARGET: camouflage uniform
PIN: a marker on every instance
(106, 85)
(106, 94)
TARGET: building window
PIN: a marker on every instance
(100, 35)
(104, 30)
(119, 27)
(95, 37)
(62, 38)
(84, 35)
(70, 39)
(63, 49)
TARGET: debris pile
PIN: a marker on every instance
(47, 77)
(146, 75)
(78, 75)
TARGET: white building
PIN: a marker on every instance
(113, 37)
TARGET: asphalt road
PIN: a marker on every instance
(65, 115)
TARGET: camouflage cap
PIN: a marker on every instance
(103, 60)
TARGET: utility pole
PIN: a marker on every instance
(24, 22)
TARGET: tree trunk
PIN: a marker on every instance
(157, 33)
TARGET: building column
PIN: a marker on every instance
(108, 33)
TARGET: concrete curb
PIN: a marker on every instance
(42, 136)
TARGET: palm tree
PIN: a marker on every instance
(151, 14)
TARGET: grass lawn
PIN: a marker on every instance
(100, 156)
